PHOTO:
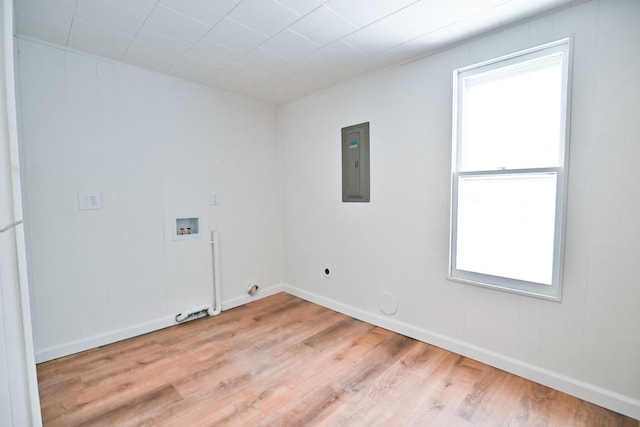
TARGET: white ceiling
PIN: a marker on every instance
(274, 50)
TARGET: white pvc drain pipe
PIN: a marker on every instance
(216, 307)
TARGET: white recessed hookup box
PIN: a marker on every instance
(186, 228)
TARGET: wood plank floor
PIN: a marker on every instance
(282, 361)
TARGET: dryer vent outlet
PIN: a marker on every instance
(252, 289)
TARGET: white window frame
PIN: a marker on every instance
(554, 290)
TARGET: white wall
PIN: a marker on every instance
(587, 345)
(156, 147)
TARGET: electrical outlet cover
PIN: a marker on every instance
(90, 201)
(327, 271)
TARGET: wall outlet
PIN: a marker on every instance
(214, 199)
(327, 271)
(90, 201)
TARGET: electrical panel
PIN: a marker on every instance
(355, 163)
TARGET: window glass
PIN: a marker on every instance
(512, 119)
(506, 225)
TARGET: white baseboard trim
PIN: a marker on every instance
(66, 349)
(244, 299)
(50, 353)
(608, 399)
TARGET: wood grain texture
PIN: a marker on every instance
(282, 361)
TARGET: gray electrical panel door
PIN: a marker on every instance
(355, 163)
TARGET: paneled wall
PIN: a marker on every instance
(398, 244)
(155, 147)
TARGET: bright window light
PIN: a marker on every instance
(512, 120)
(506, 225)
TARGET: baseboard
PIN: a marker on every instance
(66, 349)
(608, 399)
(245, 299)
(88, 343)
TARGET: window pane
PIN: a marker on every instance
(505, 225)
(511, 117)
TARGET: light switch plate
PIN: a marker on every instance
(90, 201)
(214, 198)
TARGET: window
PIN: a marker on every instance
(509, 170)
